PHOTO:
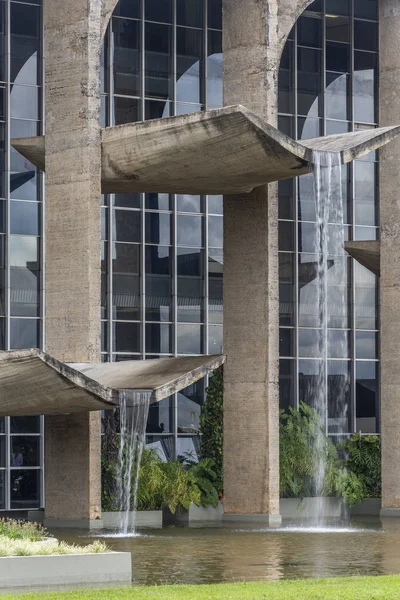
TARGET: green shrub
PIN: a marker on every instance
(363, 459)
(211, 427)
(300, 454)
(22, 530)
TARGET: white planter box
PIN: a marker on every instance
(31, 571)
(332, 508)
(200, 514)
(152, 519)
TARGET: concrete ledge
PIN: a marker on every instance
(39, 571)
(269, 520)
(153, 519)
(390, 513)
(73, 523)
(200, 514)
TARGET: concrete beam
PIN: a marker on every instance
(367, 253)
(34, 383)
(225, 151)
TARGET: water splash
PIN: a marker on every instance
(330, 266)
(134, 410)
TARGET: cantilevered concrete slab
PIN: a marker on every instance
(367, 253)
(224, 151)
(34, 383)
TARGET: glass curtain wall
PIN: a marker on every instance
(328, 85)
(162, 254)
(21, 240)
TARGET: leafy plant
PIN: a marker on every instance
(364, 461)
(303, 444)
(13, 529)
(205, 477)
(211, 426)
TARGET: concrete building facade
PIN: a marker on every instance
(161, 262)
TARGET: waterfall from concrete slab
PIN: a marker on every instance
(134, 410)
(331, 384)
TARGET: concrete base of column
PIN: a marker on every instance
(73, 524)
(73, 470)
(261, 519)
(388, 513)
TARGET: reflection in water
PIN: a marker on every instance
(212, 555)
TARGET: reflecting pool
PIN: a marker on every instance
(229, 553)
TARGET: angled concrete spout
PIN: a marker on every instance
(34, 383)
(224, 151)
(367, 253)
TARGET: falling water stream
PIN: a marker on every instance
(134, 410)
(331, 307)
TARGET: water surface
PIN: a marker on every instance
(177, 555)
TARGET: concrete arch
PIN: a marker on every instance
(106, 14)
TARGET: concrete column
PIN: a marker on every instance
(389, 89)
(251, 284)
(73, 233)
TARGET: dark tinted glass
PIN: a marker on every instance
(365, 36)
(158, 60)
(366, 9)
(25, 451)
(286, 236)
(25, 489)
(309, 82)
(189, 48)
(127, 200)
(158, 11)
(338, 7)
(2, 40)
(337, 57)
(366, 396)
(127, 226)
(128, 8)
(24, 292)
(309, 32)
(215, 282)
(215, 14)
(126, 337)
(154, 109)
(160, 419)
(126, 110)
(190, 12)
(286, 289)
(126, 56)
(158, 201)
(158, 338)
(25, 43)
(286, 342)
(24, 424)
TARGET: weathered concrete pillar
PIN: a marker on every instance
(251, 434)
(73, 31)
(389, 89)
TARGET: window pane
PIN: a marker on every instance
(126, 337)
(25, 43)
(24, 102)
(215, 283)
(338, 396)
(214, 69)
(215, 232)
(128, 8)
(186, 203)
(24, 333)
(286, 384)
(190, 339)
(158, 338)
(190, 270)
(126, 110)
(158, 228)
(25, 489)
(189, 48)
(366, 396)
(190, 12)
(25, 451)
(158, 11)
(24, 218)
(24, 292)
(126, 226)
(126, 38)
(158, 283)
(366, 344)
(24, 424)
(189, 230)
(23, 176)
(126, 281)
(189, 406)
(160, 418)
(286, 289)
(215, 339)
(158, 201)
(215, 14)
(366, 303)
(286, 342)
(158, 61)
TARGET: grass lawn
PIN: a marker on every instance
(355, 588)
